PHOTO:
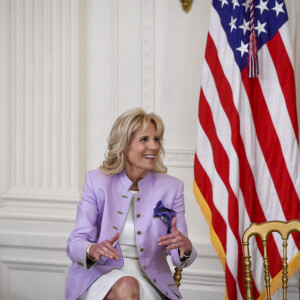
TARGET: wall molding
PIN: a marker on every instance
(148, 54)
(33, 240)
(43, 195)
(203, 277)
(23, 211)
(44, 95)
(177, 157)
(13, 263)
(115, 68)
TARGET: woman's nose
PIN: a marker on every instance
(154, 145)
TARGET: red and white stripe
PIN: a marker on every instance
(247, 160)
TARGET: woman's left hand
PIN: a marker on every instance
(176, 240)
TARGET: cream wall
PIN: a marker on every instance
(68, 69)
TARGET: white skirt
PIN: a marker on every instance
(132, 267)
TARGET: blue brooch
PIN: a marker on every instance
(165, 214)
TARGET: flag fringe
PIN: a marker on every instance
(208, 217)
(213, 236)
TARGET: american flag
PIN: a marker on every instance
(247, 162)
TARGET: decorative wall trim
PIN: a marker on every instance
(13, 263)
(39, 216)
(148, 54)
(44, 63)
(43, 195)
(203, 277)
(32, 240)
(182, 158)
(115, 36)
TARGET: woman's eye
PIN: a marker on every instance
(143, 139)
(156, 140)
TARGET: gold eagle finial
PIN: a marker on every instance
(186, 5)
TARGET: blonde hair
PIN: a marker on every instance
(121, 135)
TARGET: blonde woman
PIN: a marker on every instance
(130, 217)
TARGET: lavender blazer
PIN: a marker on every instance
(103, 211)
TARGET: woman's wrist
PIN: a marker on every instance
(88, 252)
(187, 254)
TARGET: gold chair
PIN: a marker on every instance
(263, 230)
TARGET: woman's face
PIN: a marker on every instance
(142, 153)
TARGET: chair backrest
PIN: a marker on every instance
(263, 230)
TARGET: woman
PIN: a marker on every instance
(130, 217)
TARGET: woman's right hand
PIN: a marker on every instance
(106, 249)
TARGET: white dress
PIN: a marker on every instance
(132, 267)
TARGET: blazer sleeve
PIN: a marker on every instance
(85, 231)
(182, 227)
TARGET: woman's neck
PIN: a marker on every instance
(134, 187)
(135, 177)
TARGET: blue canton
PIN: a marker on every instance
(269, 16)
